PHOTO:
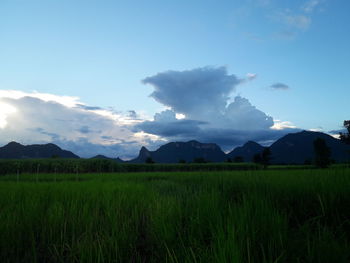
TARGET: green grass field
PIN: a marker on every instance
(236, 216)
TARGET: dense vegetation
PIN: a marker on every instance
(237, 216)
(104, 165)
(345, 136)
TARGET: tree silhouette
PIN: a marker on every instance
(263, 158)
(266, 157)
(199, 160)
(345, 137)
(257, 158)
(238, 159)
(149, 160)
(322, 153)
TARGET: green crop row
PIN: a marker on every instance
(238, 216)
(104, 165)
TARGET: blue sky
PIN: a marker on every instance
(100, 51)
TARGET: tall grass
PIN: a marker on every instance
(19, 166)
(239, 216)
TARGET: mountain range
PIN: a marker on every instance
(174, 152)
(296, 148)
(293, 148)
(14, 150)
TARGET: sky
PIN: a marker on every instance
(107, 77)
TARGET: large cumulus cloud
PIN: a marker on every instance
(38, 118)
(197, 92)
(166, 125)
(203, 96)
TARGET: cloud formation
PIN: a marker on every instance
(201, 91)
(42, 118)
(165, 124)
(203, 96)
(251, 76)
(279, 86)
(199, 106)
(285, 19)
(311, 5)
(298, 21)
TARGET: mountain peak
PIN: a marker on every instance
(15, 150)
(247, 151)
(250, 143)
(144, 153)
(193, 142)
(173, 152)
(297, 148)
(13, 144)
(143, 149)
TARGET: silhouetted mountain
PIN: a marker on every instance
(173, 152)
(143, 155)
(296, 148)
(247, 151)
(14, 150)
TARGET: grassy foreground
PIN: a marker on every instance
(236, 216)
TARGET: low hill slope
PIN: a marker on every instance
(296, 148)
(14, 150)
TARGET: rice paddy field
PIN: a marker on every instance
(273, 215)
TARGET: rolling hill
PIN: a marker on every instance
(14, 150)
(174, 152)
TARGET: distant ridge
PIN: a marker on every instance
(293, 148)
(15, 150)
(175, 152)
(297, 148)
(246, 152)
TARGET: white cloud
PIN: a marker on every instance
(251, 76)
(310, 6)
(67, 101)
(5, 111)
(319, 129)
(299, 21)
(70, 102)
(281, 125)
(41, 118)
(242, 115)
(180, 116)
